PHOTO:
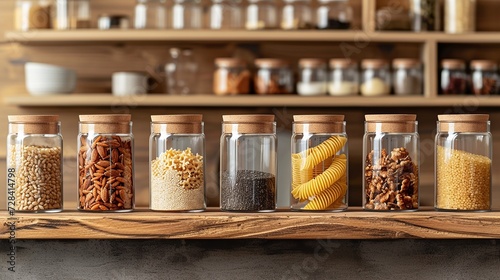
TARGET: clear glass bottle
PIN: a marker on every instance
(34, 164)
(248, 163)
(226, 14)
(150, 14)
(231, 77)
(187, 14)
(376, 78)
(391, 156)
(313, 76)
(463, 159)
(459, 16)
(344, 77)
(177, 156)
(296, 14)
(407, 76)
(261, 14)
(106, 163)
(319, 163)
(425, 15)
(485, 78)
(32, 14)
(273, 76)
(334, 14)
(453, 77)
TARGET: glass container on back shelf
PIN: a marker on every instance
(453, 77)
(187, 14)
(181, 72)
(334, 14)
(150, 14)
(273, 76)
(425, 15)
(226, 14)
(407, 78)
(459, 16)
(71, 14)
(261, 14)
(296, 14)
(231, 77)
(485, 79)
(32, 14)
(312, 77)
(376, 78)
(344, 77)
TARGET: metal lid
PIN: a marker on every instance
(464, 122)
(106, 123)
(397, 123)
(318, 123)
(34, 124)
(188, 123)
(248, 123)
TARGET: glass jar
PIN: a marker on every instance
(319, 163)
(344, 77)
(34, 164)
(32, 14)
(376, 79)
(71, 14)
(248, 163)
(463, 158)
(313, 76)
(485, 79)
(453, 77)
(231, 77)
(150, 14)
(177, 155)
(106, 163)
(407, 76)
(334, 14)
(187, 14)
(425, 15)
(391, 152)
(261, 14)
(459, 16)
(181, 72)
(274, 76)
(226, 14)
(296, 14)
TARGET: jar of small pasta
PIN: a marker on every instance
(463, 162)
(319, 163)
(176, 151)
(391, 163)
(248, 163)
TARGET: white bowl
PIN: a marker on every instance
(48, 79)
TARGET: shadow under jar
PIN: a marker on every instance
(105, 163)
(273, 76)
(453, 77)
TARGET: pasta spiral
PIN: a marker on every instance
(328, 196)
(328, 148)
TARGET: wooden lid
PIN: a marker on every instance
(34, 124)
(342, 63)
(188, 124)
(312, 62)
(318, 123)
(464, 123)
(453, 64)
(106, 123)
(406, 63)
(397, 123)
(270, 63)
(248, 124)
(374, 63)
(229, 62)
(489, 65)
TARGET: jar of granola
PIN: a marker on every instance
(273, 76)
(231, 76)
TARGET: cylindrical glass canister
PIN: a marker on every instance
(334, 14)
(32, 14)
(463, 159)
(261, 14)
(425, 15)
(150, 14)
(226, 14)
(453, 77)
(484, 76)
(248, 163)
(319, 163)
(296, 14)
(407, 76)
(344, 77)
(313, 76)
(273, 76)
(34, 164)
(231, 77)
(376, 78)
(187, 14)
(177, 155)
(391, 156)
(106, 163)
(459, 16)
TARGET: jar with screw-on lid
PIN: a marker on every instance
(463, 159)
(34, 164)
(485, 78)
(106, 163)
(296, 14)
(231, 77)
(226, 14)
(177, 156)
(407, 77)
(150, 14)
(261, 14)
(453, 77)
(344, 77)
(248, 163)
(376, 77)
(391, 155)
(319, 163)
(313, 76)
(273, 76)
(459, 16)
(334, 14)
(187, 14)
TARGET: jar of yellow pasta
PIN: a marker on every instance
(177, 149)
(391, 155)
(319, 163)
(463, 162)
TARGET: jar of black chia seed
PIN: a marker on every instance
(248, 163)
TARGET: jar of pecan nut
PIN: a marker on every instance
(105, 163)
(177, 148)
(391, 155)
(273, 76)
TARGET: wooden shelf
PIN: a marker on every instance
(213, 224)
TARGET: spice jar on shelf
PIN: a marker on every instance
(334, 14)
(248, 163)
(459, 16)
(273, 76)
(261, 14)
(150, 14)
(407, 76)
(391, 153)
(226, 14)
(187, 14)
(71, 14)
(34, 164)
(453, 77)
(296, 14)
(485, 78)
(312, 77)
(425, 15)
(105, 163)
(176, 150)
(344, 77)
(463, 163)
(376, 78)
(319, 163)
(231, 77)
(32, 14)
